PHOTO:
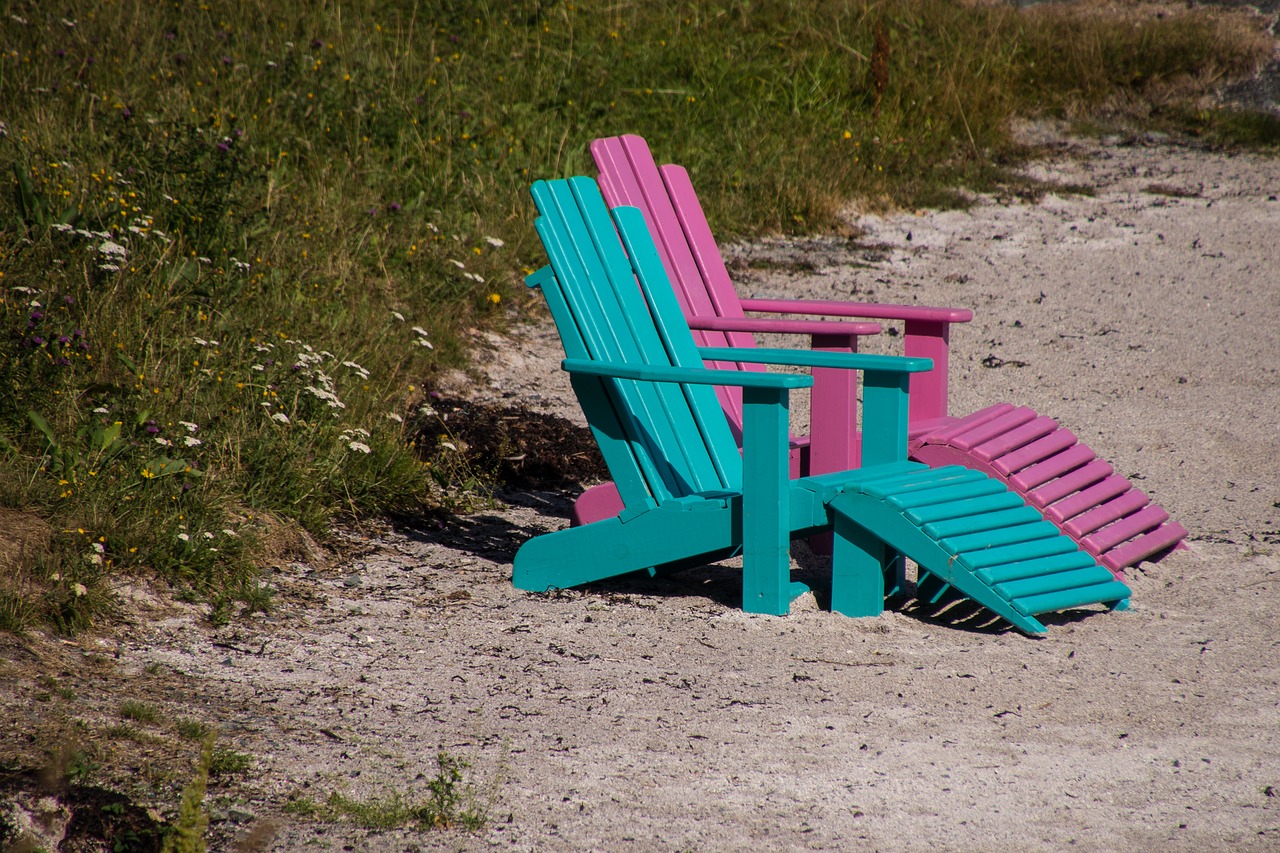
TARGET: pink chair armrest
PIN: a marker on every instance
(835, 308)
(786, 327)
(926, 332)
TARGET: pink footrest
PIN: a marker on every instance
(1015, 438)
(1054, 472)
(1107, 513)
(1069, 483)
(1086, 499)
(984, 432)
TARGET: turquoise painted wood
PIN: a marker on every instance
(689, 494)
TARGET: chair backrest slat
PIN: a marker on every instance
(604, 316)
(630, 176)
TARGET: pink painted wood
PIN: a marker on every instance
(1030, 453)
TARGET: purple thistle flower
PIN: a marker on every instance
(79, 333)
(63, 362)
(38, 341)
(226, 60)
(84, 347)
(222, 146)
(152, 428)
(170, 36)
(316, 44)
(63, 339)
(37, 315)
(394, 207)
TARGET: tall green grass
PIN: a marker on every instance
(237, 237)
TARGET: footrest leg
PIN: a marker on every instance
(858, 564)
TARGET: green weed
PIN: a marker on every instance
(450, 803)
(188, 832)
(140, 712)
(235, 240)
(192, 729)
(228, 762)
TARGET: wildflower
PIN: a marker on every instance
(184, 537)
(495, 298)
(280, 417)
(393, 416)
(399, 317)
(459, 264)
(359, 446)
(101, 410)
(495, 242)
(192, 441)
(230, 532)
(190, 426)
(112, 250)
(207, 535)
(164, 442)
(98, 547)
(79, 589)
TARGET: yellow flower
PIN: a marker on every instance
(495, 298)
(147, 474)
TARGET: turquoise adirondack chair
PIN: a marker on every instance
(690, 496)
(1031, 454)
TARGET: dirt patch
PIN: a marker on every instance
(70, 819)
(514, 445)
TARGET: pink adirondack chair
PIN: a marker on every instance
(1031, 453)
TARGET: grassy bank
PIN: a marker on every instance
(236, 237)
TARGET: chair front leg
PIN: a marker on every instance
(928, 339)
(833, 411)
(766, 522)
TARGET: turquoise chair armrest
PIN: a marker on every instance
(686, 375)
(803, 358)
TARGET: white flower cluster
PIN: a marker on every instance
(351, 438)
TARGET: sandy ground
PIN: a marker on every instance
(655, 715)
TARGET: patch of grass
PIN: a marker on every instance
(192, 729)
(140, 712)
(228, 762)
(451, 802)
(125, 732)
(235, 239)
(56, 687)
